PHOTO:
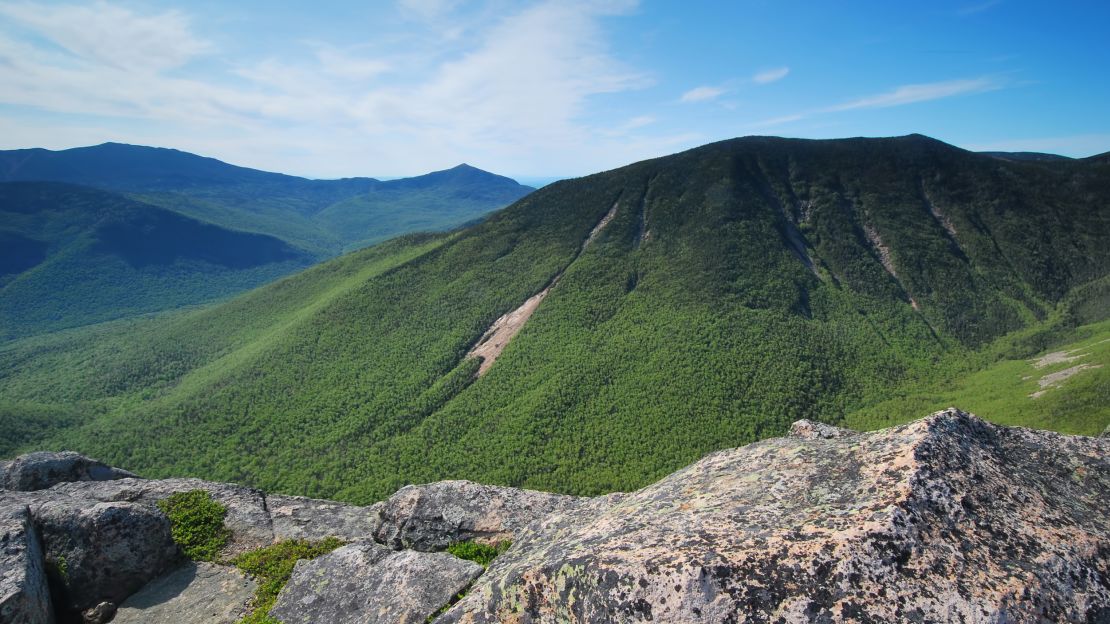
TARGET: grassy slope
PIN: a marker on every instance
(1004, 391)
(708, 332)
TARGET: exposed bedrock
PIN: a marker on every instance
(945, 519)
(948, 518)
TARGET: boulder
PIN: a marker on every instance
(433, 516)
(247, 517)
(99, 552)
(196, 593)
(945, 519)
(38, 471)
(811, 430)
(24, 593)
(100, 614)
(367, 583)
(296, 517)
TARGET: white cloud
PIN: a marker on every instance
(701, 94)
(427, 9)
(512, 82)
(111, 35)
(899, 96)
(913, 93)
(771, 75)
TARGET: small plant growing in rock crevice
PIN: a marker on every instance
(482, 554)
(196, 524)
(272, 566)
(60, 568)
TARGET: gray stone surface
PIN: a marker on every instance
(38, 471)
(433, 516)
(24, 594)
(296, 517)
(811, 430)
(100, 614)
(196, 593)
(247, 517)
(108, 550)
(368, 583)
(947, 519)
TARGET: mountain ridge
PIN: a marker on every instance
(737, 287)
(311, 220)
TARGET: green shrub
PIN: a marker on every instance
(272, 566)
(196, 524)
(481, 554)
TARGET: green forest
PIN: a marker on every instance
(112, 231)
(739, 287)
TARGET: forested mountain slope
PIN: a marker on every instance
(324, 217)
(216, 229)
(72, 255)
(725, 292)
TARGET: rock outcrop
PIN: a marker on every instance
(945, 519)
(24, 594)
(247, 516)
(102, 551)
(195, 593)
(431, 517)
(103, 538)
(38, 471)
(811, 430)
(368, 583)
(296, 517)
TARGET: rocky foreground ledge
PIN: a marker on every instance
(946, 519)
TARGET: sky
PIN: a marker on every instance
(545, 89)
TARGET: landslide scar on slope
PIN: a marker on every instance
(886, 259)
(499, 334)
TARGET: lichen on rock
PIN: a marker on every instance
(945, 519)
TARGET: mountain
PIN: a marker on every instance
(274, 224)
(604, 331)
(1027, 156)
(324, 217)
(74, 255)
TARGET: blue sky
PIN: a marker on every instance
(536, 89)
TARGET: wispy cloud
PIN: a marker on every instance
(913, 93)
(771, 75)
(701, 94)
(899, 96)
(513, 81)
(972, 9)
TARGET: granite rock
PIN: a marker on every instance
(812, 430)
(945, 519)
(100, 552)
(433, 516)
(195, 593)
(38, 471)
(367, 583)
(296, 517)
(24, 592)
(247, 517)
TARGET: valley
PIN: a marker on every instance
(111, 231)
(673, 307)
